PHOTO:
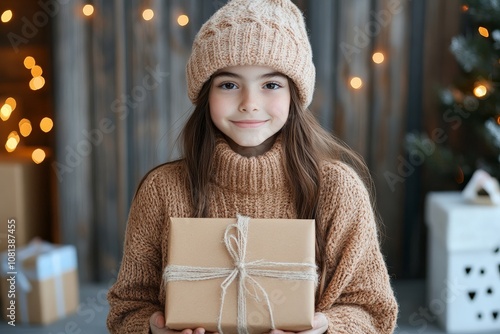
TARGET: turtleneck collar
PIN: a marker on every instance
(249, 175)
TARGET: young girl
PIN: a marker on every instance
(252, 147)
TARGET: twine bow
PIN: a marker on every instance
(236, 244)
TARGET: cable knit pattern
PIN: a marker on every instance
(358, 299)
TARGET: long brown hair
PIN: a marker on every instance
(306, 145)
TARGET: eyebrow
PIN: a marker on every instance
(237, 76)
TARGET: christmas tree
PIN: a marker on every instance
(469, 134)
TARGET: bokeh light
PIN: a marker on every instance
(88, 10)
(36, 71)
(6, 16)
(378, 57)
(356, 82)
(38, 155)
(29, 62)
(11, 145)
(46, 124)
(11, 102)
(7, 108)
(483, 32)
(148, 14)
(12, 141)
(5, 112)
(37, 83)
(25, 127)
(480, 91)
(182, 20)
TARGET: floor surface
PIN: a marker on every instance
(91, 316)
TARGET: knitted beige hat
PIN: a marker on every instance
(254, 32)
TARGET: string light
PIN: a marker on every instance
(480, 91)
(14, 135)
(5, 112)
(148, 14)
(12, 141)
(46, 124)
(38, 156)
(88, 10)
(483, 32)
(25, 127)
(465, 8)
(29, 62)
(6, 16)
(356, 82)
(11, 145)
(37, 83)
(36, 71)
(7, 109)
(182, 20)
(378, 58)
(11, 102)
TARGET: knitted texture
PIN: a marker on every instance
(358, 298)
(253, 32)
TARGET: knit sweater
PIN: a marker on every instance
(358, 298)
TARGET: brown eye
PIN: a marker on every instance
(272, 86)
(228, 85)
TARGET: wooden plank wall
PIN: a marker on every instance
(388, 108)
(73, 163)
(122, 97)
(107, 58)
(371, 120)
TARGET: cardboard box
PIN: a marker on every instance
(25, 196)
(199, 242)
(39, 285)
(463, 267)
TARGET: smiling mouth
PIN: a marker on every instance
(249, 124)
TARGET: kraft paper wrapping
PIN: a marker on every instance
(199, 242)
(23, 197)
(46, 282)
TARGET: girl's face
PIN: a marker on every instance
(249, 104)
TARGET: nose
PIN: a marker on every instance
(249, 101)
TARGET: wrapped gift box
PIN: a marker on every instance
(25, 197)
(46, 283)
(463, 263)
(199, 243)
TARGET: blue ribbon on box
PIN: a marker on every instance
(51, 261)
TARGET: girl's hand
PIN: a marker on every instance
(157, 325)
(320, 325)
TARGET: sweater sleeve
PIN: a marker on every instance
(134, 296)
(358, 298)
